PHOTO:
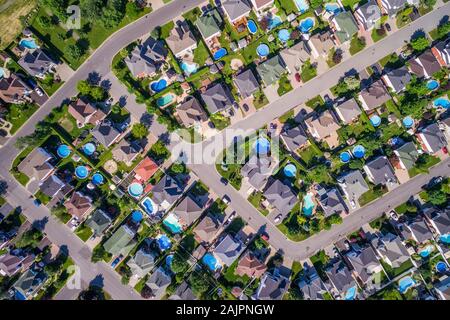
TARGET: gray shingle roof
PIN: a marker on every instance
(294, 138)
(391, 248)
(407, 154)
(246, 83)
(167, 191)
(353, 185)
(433, 137)
(439, 218)
(280, 196)
(105, 134)
(236, 8)
(272, 287)
(397, 79)
(332, 202)
(364, 262)
(420, 231)
(158, 282)
(340, 277)
(348, 110)
(228, 250)
(257, 170)
(380, 171)
(218, 98)
(36, 63)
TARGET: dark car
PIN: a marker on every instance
(298, 77)
(388, 27)
(37, 202)
(116, 261)
(224, 181)
(433, 182)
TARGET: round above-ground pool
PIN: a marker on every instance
(405, 283)
(308, 204)
(284, 35)
(359, 151)
(432, 85)
(408, 122)
(306, 25)
(28, 43)
(97, 179)
(445, 238)
(375, 120)
(345, 157)
(442, 103)
(136, 216)
(210, 261)
(135, 189)
(81, 172)
(252, 27)
(158, 86)
(263, 50)
(290, 170)
(219, 54)
(262, 146)
(441, 267)
(89, 148)
(163, 242)
(63, 151)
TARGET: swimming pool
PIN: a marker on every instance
(81, 172)
(345, 157)
(97, 179)
(89, 148)
(149, 206)
(262, 146)
(284, 35)
(275, 21)
(432, 85)
(408, 122)
(2, 73)
(28, 43)
(332, 7)
(169, 260)
(350, 294)
(189, 68)
(441, 267)
(251, 26)
(375, 120)
(263, 50)
(306, 25)
(302, 5)
(405, 283)
(445, 238)
(426, 252)
(219, 54)
(359, 151)
(210, 261)
(164, 242)
(308, 204)
(136, 216)
(290, 170)
(63, 151)
(442, 102)
(165, 100)
(135, 189)
(158, 86)
(171, 222)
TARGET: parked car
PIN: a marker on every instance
(393, 215)
(37, 202)
(231, 217)
(388, 27)
(224, 181)
(433, 182)
(265, 237)
(298, 77)
(277, 218)
(116, 261)
(226, 199)
(39, 92)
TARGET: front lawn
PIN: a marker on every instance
(284, 86)
(378, 34)
(357, 44)
(371, 195)
(309, 71)
(18, 114)
(42, 197)
(84, 232)
(422, 166)
(255, 199)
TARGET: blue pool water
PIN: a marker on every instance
(263, 50)
(251, 26)
(308, 205)
(28, 43)
(432, 85)
(63, 151)
(169, 260)
(345, 157)
(219, 54)
(210, 261)
(163, 242)
(165, 100)
(302, 5)
(97, 179)
(290, 170)
(171, 222)
(137, 216)
(158, 86)
(426, 252)
(135, 189)
(441, 267)
(375, 120)
(442, 102)
(408, 122)
(275, 21)
(351, 293)
(148, 205)
(445, 238)
(332, 8)
(81, 172)
(2, 73)
(284, 35)
(189, 68)
(359, 151)
(405, 283)
(262, 146)
(396, 141)
(89, 148)
(306, 25)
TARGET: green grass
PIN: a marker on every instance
(356, 45)
(287, 6)
(378, 35)
(391, 61)
(201, 53)
(255, 199)
(11, 18)
(429, 162)
(350, 4)
(315, 102)
(371, 195)
(394, 272)
(308, 71)
(260, 99)
(287, 116)
(19, 114)
(43, 198)
(296, 269)
(309, 155)
(284, 86)
(84, 232)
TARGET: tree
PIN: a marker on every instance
(113, 13)
(295, 34)
(147, 292)
(301, 219)
(91, 9)
(419, 44)
(356, 164)
(264, 24)
(437, 197)
(178, 168)
(443, 29)
(179, 263)
(319, 174)
(337, 56)
(429, 3)
(392, 294)
(83, 87)
(199, 282)
(74, 51)
(352, 82)
(29, 238)
(139, 131)
(97, 93)
(44, 21)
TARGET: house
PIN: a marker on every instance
(391, 7)
(374, 96)
(181, 40)
(424, 65)
(154, 52)
(258, 170)
(191, 113)
(29, 284)
(142, 262)
(79, 205)
(431, 138)
(209, 25)
(364, 263)
(331, 201)
(183, 292)
(207, 229)
(236, 9)
(145, 170)
(37, 63)
(125, 152)
(397, 79)
(262, 5)
(341, 280)
(99, 221)
(406, 156)
(13, 90)
(228, 249)
(52, 186)
(439, 219)
(158, 283)
(121, 242)
(271, 70)
(246, 83)
(138, 66)
(348, 111)
(441, 51)
(280, 197)
(368, 15)
(166, 192)
(345, 26)
(249, 265)
(442, 288)
(85, 113)
(354, 186)
(36, 165)
(379, 171)
(218, 98)
(321, 43)
(391, 249)
(294, 138)
(295, 56)
(11, 264)
(5, 210)
(324, 128)
(419, 231)
(188, 211)
(312, 286)
(106, 134)
(272, 287)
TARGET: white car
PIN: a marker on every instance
(226, 199)
(39, 92)
(393, 215)
(277, 218)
